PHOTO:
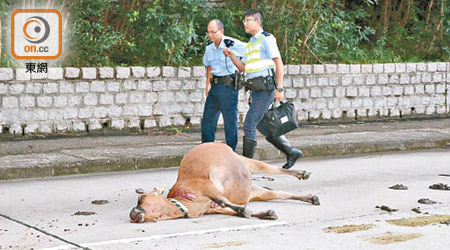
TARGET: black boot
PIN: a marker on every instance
(282, 144)
(249, 148)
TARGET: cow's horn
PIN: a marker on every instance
(159, 191)
(140, 191)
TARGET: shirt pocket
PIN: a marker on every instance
(210, 58)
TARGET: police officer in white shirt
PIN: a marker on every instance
(222, 97)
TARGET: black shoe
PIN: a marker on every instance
(282, 144)
(249, 148)
(292, 158)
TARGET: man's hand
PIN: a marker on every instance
(208, 78)
(227, 52)
(208, 88)
(279, 75)
(279, 95)
(238, 63)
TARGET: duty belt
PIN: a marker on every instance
(260, 83)
(226, 80)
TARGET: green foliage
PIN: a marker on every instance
(172, 32)
(168, 32)
(157, 33)
(415, 40)
(91, 42)
(4, 61)
(350, 31)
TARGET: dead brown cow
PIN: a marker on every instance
(213, 179)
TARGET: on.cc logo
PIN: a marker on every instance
(40, 36)
(36, 34)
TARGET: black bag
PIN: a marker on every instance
(280, 120)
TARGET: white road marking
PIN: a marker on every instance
(164, 236)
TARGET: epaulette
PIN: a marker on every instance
(266, 33)
(208, 43)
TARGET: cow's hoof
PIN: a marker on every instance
(270, 215)
(245, 212)
(303, 175)
(315, 200)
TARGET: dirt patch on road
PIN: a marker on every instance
(348, 228)
(100, 202)
(226, 244)
(420, 221)
(386, 208)
(440, 186)
(389, 238)
(399, 187)
(426, 201)
(84, 213)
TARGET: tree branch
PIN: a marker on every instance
(406, 14)
(386, 14)
(312, 52)
(427, 18)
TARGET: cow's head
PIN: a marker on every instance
(150, 207)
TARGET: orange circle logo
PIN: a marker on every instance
(39, 36)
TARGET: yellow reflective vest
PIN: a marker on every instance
(253, 54)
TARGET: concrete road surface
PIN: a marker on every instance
(349, 188)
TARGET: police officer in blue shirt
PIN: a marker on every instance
(264, 69)
(220, 91)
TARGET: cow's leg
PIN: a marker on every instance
(260, 166)
(221, 210)
(218, 197)
(266, 215)
(261, 194)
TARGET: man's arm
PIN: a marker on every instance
(238, 63)
(279, 74)
(208, 79)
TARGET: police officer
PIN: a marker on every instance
(221, 94)
(261, 58)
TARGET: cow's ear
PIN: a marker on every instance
(140, 191)
(158, 191)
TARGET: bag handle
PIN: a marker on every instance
(272, 104)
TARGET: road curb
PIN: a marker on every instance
(89, 167)
(266, 153)
(363, 148)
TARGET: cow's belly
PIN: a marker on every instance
(236, 184)
(218, 163)
(239, 192)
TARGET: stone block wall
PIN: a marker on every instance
(84, 99)
(80, 99)
(368, 91)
